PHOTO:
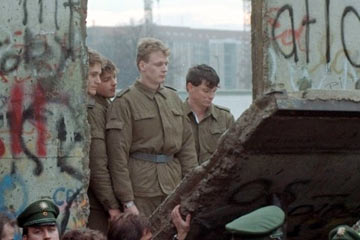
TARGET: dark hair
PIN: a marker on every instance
(4, 219)
(108, 67)
(202, 72)
(128, 227)
(83, 234)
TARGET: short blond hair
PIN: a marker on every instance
(94, 57)
(146, 46)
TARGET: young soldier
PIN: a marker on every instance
(103, 204)
(150, 144)
(94, 71)
(38, 221)
(208, 121)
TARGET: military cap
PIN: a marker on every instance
(259, 223)
(343, 232)
(42, 212)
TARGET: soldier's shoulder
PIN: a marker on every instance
(123, 92)
(171, 88)
(222, 108)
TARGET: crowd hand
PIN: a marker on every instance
(114, 213)
(182, 227)
(133, 210)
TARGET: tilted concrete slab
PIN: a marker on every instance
(275, 153)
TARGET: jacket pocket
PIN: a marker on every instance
(142, 115)
(114, 124)
(213, 137)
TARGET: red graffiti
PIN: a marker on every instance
(286, 36)
(39, 107)
(16, 100)
(16, 113)
(2, 148)
(18, 33)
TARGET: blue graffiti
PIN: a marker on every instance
(8, 183)
(57, 195)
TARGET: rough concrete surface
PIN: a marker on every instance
(43, 125)
(314, 182)
(305, 45)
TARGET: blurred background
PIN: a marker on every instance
(217, 33)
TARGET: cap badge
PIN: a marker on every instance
(43, 205)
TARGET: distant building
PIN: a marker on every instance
(228, 52)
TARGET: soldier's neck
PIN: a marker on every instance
(149, 84)
(200, 111)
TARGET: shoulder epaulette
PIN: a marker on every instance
(122, 92)
(222, 108)
(174, 89)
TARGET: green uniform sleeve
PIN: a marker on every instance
(119, 138)
(100, 182)
(187, 154)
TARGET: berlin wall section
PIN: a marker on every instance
(305, 45)
(43, 125)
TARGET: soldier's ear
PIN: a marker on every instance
(142, 65)
(189, 86)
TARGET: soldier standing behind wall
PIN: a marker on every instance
(208, 121)
(150, 144)
(103, 203)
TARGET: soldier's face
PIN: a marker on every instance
(201, 95)
(49, 232)
(93, 80)
(155, 69)
(107, 87)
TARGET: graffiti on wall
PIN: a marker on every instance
(42, 115)
(313, 44)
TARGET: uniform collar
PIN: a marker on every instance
(90, 101)
(102, 100)
(150, 93)
(210, 112)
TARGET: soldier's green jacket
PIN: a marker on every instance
(148, 121)
(101, 194)
(207, 133)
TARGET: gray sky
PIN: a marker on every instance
(218, 14)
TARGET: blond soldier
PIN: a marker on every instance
(208, 121)
(103, 204)
(150, 144)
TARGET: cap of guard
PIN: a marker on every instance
(260, 222)
(42, 212)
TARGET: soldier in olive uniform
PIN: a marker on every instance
(103, 203)
(208, 121)
(150, 144)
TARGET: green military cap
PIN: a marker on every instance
(343, 232)
(42, 212)
(259, 223)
